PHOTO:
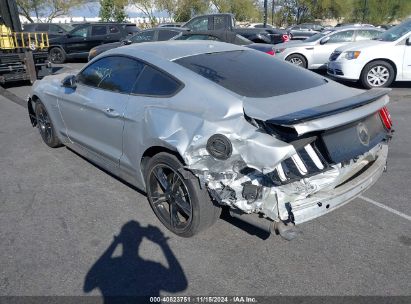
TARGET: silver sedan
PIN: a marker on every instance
(313, 52)
(199, 125)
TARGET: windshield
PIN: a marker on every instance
(396, 32)
(317, 36)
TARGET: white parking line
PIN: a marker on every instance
(403, 215)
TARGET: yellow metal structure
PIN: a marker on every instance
(22, 40)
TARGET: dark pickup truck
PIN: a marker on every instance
(216, 22)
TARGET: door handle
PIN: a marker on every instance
(111, 112)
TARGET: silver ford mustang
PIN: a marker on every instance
(199, 125)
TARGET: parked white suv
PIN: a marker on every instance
(376, 63)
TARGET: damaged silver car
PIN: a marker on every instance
(199, 125)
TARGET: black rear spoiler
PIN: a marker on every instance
(330, 109)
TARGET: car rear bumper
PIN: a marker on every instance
(323, 202)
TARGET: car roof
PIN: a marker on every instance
(353, 27)
(172, 49)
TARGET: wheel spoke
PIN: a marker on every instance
(173, 216)
(158, 199)
(183, 205)
(161, 178)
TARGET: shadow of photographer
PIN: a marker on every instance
(129, 275)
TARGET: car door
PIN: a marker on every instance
(149, 102)
(93, 112)
(407, 60)
(77, 40)
(324, 48)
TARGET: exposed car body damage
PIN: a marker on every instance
(289, 157)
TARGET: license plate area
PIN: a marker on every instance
(347, 142)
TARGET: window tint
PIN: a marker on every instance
(143, 37)
(42, 28)
(344, 36)
(54, 28)
(198, 24)
(219, 23)
(251, 74)
(166, 34)
(97, 30)
(156, 83)
(81, 32)
(367, 34)
(29, 27)
(112, 29)
(117, 74)
(197, 37)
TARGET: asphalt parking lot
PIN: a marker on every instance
(69, 228)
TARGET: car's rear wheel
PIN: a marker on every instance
(176, 199)
(45, 126)
(57, 55)
(297, 60)
(377, 74)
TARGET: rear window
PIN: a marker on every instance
(251, 73)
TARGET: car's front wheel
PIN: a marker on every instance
(176, 197)
(377, 74)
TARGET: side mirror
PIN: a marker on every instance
(127, 42)
(324, 40)
(61, 32)
(408, 41)
(69, 82)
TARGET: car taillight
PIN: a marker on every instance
(271, 52)
(386, 118)
(285, 37)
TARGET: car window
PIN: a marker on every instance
(199, 24)
(251, 74)
(343, 36)
(98, 30)
(143, 37)
(42, 28)
(240, 40)
(155, 83)
(81, 32)
(197, 37)
(219, 23)
(366, 34)
(117, 74)
(112, 29)
(55, 28)
(166, 34)
(29, 27)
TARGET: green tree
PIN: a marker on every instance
(244, 10)
(112, 10)
(47, 9)
(183, 10)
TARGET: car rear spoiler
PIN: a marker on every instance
(329, 109)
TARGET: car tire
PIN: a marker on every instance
(45, 126)
(298, 60)
(57, 55)
(377, 74)
(176, 197)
